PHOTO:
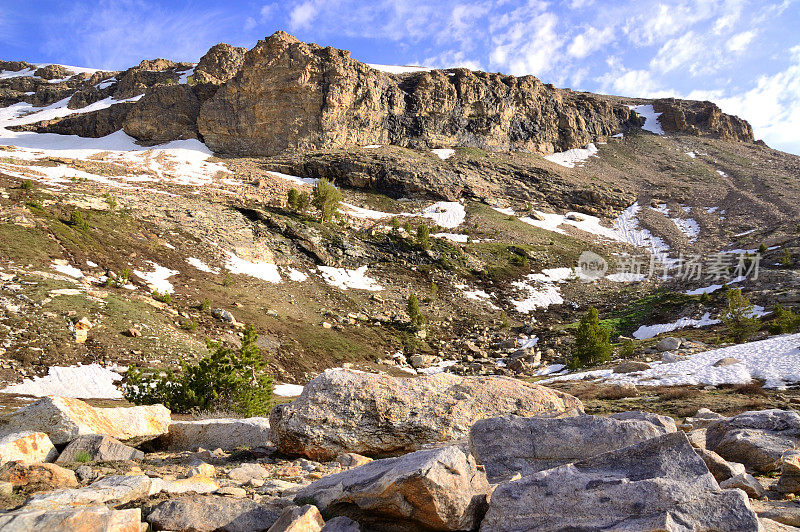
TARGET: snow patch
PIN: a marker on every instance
(287, 390)
(266, 271)
(67, 269)
(157, 279)
(650, 331)
(443, 153)
(345, 279)
(83, 382)
(572, 157)
(447, 214)
(202, 266)
(651, 122)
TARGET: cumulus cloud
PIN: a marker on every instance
(740, 41)
(302, 16)
(590, 41)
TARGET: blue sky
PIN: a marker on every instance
(744, 55)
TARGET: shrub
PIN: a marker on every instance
(111, 201)
(434, 290)
(26, 185)
(739, 318)
(82, 457)
(414, 314)
(784, 321)
(592, 345)
(222, 380)
(77, 220)
(205, 304)
(189, 325)
(762, 248)
(326, 199)
(423, 236)
(163, 297)
(227, 280)
(786, 258)
(118, 280)
(626, 349)
(298, 201)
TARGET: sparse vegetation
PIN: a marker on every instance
(189, 325)
(414, 314)
(739, 317)
(786, 258)
(111, 201)
(423, 236)
(77, 220)
(222, 380)
(326, 198)
(26, 185)
(298, 201)
(118, 280)
(783, 321)
(205, 304)
(592, 345)
(82, 457)
(163, 297)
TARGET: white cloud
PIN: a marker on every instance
(302, 16)
(740, 41)
(531, 46)
(678, 52)
(590, 41)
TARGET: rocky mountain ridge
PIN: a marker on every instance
(285, 95)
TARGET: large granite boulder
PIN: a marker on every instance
(221, 63)
(27, 447)
(216, 434)
(212, 513)
(86, 519)
(31, 478)
(98, 448)
(659, 484)
(116, 489)
(63, 419)
(436, 489)
(756, 439)
(376, 415)
(510, 444)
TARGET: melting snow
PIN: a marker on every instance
(265, 271)
(67, 269)
(448, 214)
(344, 279)
(540, 295)
(157, 279)
(287, 390)
(361, 212)
(453, 237)
(650, 331)
(713, 288)
(85, 382)
(202, 266)
(443, 153)
(627, 229)
(689, 227)
(504, 210)
(297, 275)
(295, 179)
(775, 360)
(572, 157)
(651, 122)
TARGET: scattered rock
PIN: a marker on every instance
(746, 483)
(510, 444)
(786, 512)
(341, 524)
(718, 466)
(247, 472)
(195, 484)
(789, 481)
(223, 315)
(232, 491)
(37, 477)
(72, 519)
(670, 343)
(726, 361)
(211, 513)
(98, 448)
(703, 418)
(216, 434)
(27, 447)
(85, 474)
(63, 419)
(631, 366)
(756, 439)
(439, 489)
(115, 489)
(659, 484)
(299, 519)
(374, 414)
(277, 487)
(352, 459)
(198, 467)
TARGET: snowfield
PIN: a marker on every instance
(651, 123)
(775, 360)
(83, 382)
(345, 279)
(572, 157)
(651, 331)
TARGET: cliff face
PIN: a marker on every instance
(701, 118)
(298, 96)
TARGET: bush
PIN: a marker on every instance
(423, 236)
(26, 185)
(111, 201)
(222, 380)
(118, 280)
(326, 199)
(163, 297)
(592, 345)
(762, 248)
(205, 304)
(784, 321)
(627, 348)
(77, 220)
(739, 318)
(416, 317)
(786, 258)
(298, 201)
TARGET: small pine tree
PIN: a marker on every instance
(77, 220)
(423, 236)
(592, 345)
(326, 198)
(414, 314)
(739, 317)
(293, 198)
(784, 321)
(786, 258)
(762, 248)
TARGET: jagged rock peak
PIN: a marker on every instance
(219, 64)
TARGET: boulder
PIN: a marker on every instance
(299, 519)
(718, 466)
(697, 438)
(670, 343)
(221, 63)
(631, 366)
(195, 484)
(27, 447)
(87, 519)
(37, 477)
(508, 445)
(756, 439)
(246, 472)
(726, 361)
(341, 524)
(789, 481)
(93, 124)
(786, 512)
(438, 489)
(703, 418)
(377, 415)
(98, 448)
(745, 482)
(63, 419)
(211, 513)
(114, 489)
(164, 113)
(659, 484)
(216, 434)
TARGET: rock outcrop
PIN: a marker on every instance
(377, 415)
(660, 484)
(756, 439)
(164, 113)
(64, 419)
(216, 434)
(701, 118)
(221, 63)
(73, 519)
(438, 489)
(27, 447)
(291, 95)
(509, 445)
